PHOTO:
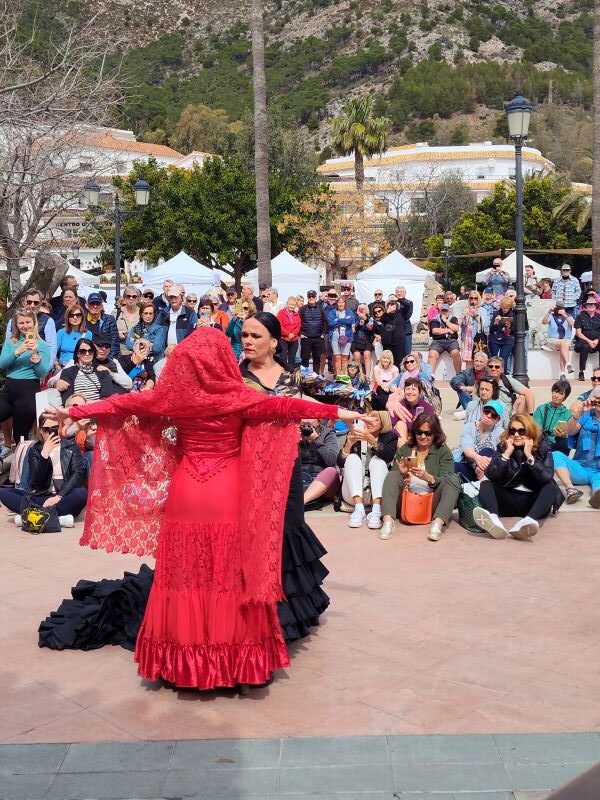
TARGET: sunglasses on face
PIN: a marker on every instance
(103, 346)
(75, 316)
(516, 431)
(131, 296)
(490, 413)
(422, 432)
(494, 366)
(409, 361)
(33, 302)
(85, 350)
(148, 296)
(352, 366)
(595, 378)
(379, 310)
(51, 429)
(95, 304)
(378, 294)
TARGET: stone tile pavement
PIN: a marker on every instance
(500, 767)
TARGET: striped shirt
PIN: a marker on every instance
(88, 385)
(566, 291)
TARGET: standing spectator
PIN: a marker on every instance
(434, 309)
(178, 320)
(45, 324)
(232, 297)
(138, 366)
(25, 360)
(290, 322)
(148, 328)
(270, 298)
(531, 286)
(488, 309)
(191, 301)
(378, 295)
(501, 338)
(299, 301)
(583, 469)
(73, 331)
(99, 322)
(318, 456)
(517, 397)
(59, 304)
(244, 308)
(394, 326)
(471, 325)
(553, 417)
(560, 335)
(407, 308)
(545, 287)
(478, 441)
(128, 315)
(464, 382)
(362, 343)
(216, 318)
(566, 290)
(450, 298)
(248, 294)
(313, 330)
(340, 324)
(162, 301)
(497, 279)
(587, 334)
(148, 295)
(464, 292)
(443, 330)
(348, 295)
(329, 303)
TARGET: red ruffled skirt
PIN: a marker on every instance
(197, 631)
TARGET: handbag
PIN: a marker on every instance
(36, 519)
(466, 504)
(480, 343)
(416, 509)
(432, 394)
(343, 340)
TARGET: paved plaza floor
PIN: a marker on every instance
(431, 658)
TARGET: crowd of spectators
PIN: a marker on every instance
(516, 453)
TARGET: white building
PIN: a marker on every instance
(398, 179)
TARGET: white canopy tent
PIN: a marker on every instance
(510, 265)
(289, 276)
(393, 270)
(87, 283)
(181, 269)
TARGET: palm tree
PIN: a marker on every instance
(357, 131)
(261, 145)
(576, 207)
(596, 147)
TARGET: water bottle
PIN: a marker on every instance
(445, 374)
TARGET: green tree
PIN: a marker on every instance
(202, 128)
(356, 131)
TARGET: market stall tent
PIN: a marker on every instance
(183, 269)
(289, 276)
(510, 265)
(393, 270)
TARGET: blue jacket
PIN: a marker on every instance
(65, 344)
(346, 321)
(185, 324)
(313, 322)
(156, 334)
(107, 324)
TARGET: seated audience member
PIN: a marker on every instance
(56, 476)
(520, 482)
(85, 377)
(160, 365)
(464, 382)
(100, 323)
(515, 395)
(138, 366)
(148, 328)
(358, 379)
(413, 367)
(86, 441)
(318, 455)
(423, 464)
(67, 337)
(290, 322)
(70, 429)
(368, 450)
(552, 417)
(486, 389)
(384, 374)
(478, 441)
(405, 405)
(434, 309)
(577, 405)
(583, 469)
(560, 335)
(243, 309)
(587, 334)
(443, 330)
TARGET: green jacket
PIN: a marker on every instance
(439, 461)
(548, 417)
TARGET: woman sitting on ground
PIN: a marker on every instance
(479, 440)
(56, 476)
(486, 389)
(413, 367)
(148, 328)
(358, 379)
(424, 464)
(368, 450)
(384, 374)
(405, 405)
(552, 417)
(67, 337)
(520, 482)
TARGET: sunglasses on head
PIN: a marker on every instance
(422, 432)
(516, 431)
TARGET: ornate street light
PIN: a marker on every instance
(518, 112)
(447, 243)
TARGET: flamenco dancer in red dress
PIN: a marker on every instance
(211, 619)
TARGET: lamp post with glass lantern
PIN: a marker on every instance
(447, 243)
(518, 112)
(75, 254)
(117, 215)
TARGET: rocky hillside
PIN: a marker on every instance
(440, 69)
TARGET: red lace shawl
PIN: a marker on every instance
(137, 451)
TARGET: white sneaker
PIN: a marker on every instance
(67, 521)
(357, 518)
(435, 531)
(490, 523)
(18, 521)
(374, 520)
(386, 530)
(460, 414)
(524, 529)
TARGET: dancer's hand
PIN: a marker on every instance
(57, 413)
(349, 416)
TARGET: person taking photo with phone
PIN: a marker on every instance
(583, 469)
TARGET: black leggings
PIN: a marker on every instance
(511, 503)
(17, 400)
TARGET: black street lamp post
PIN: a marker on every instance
(117, 215)
(518, 112)
(447, 243)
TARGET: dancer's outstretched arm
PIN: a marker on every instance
(124, 404)
(293, 410)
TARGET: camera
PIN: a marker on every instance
(306, 429)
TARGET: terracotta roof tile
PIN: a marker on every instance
(126, 145)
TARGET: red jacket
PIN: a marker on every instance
(290, 323)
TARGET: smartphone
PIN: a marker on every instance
(30, 336)
(205, 316)
(413, 462)
(360, 424)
